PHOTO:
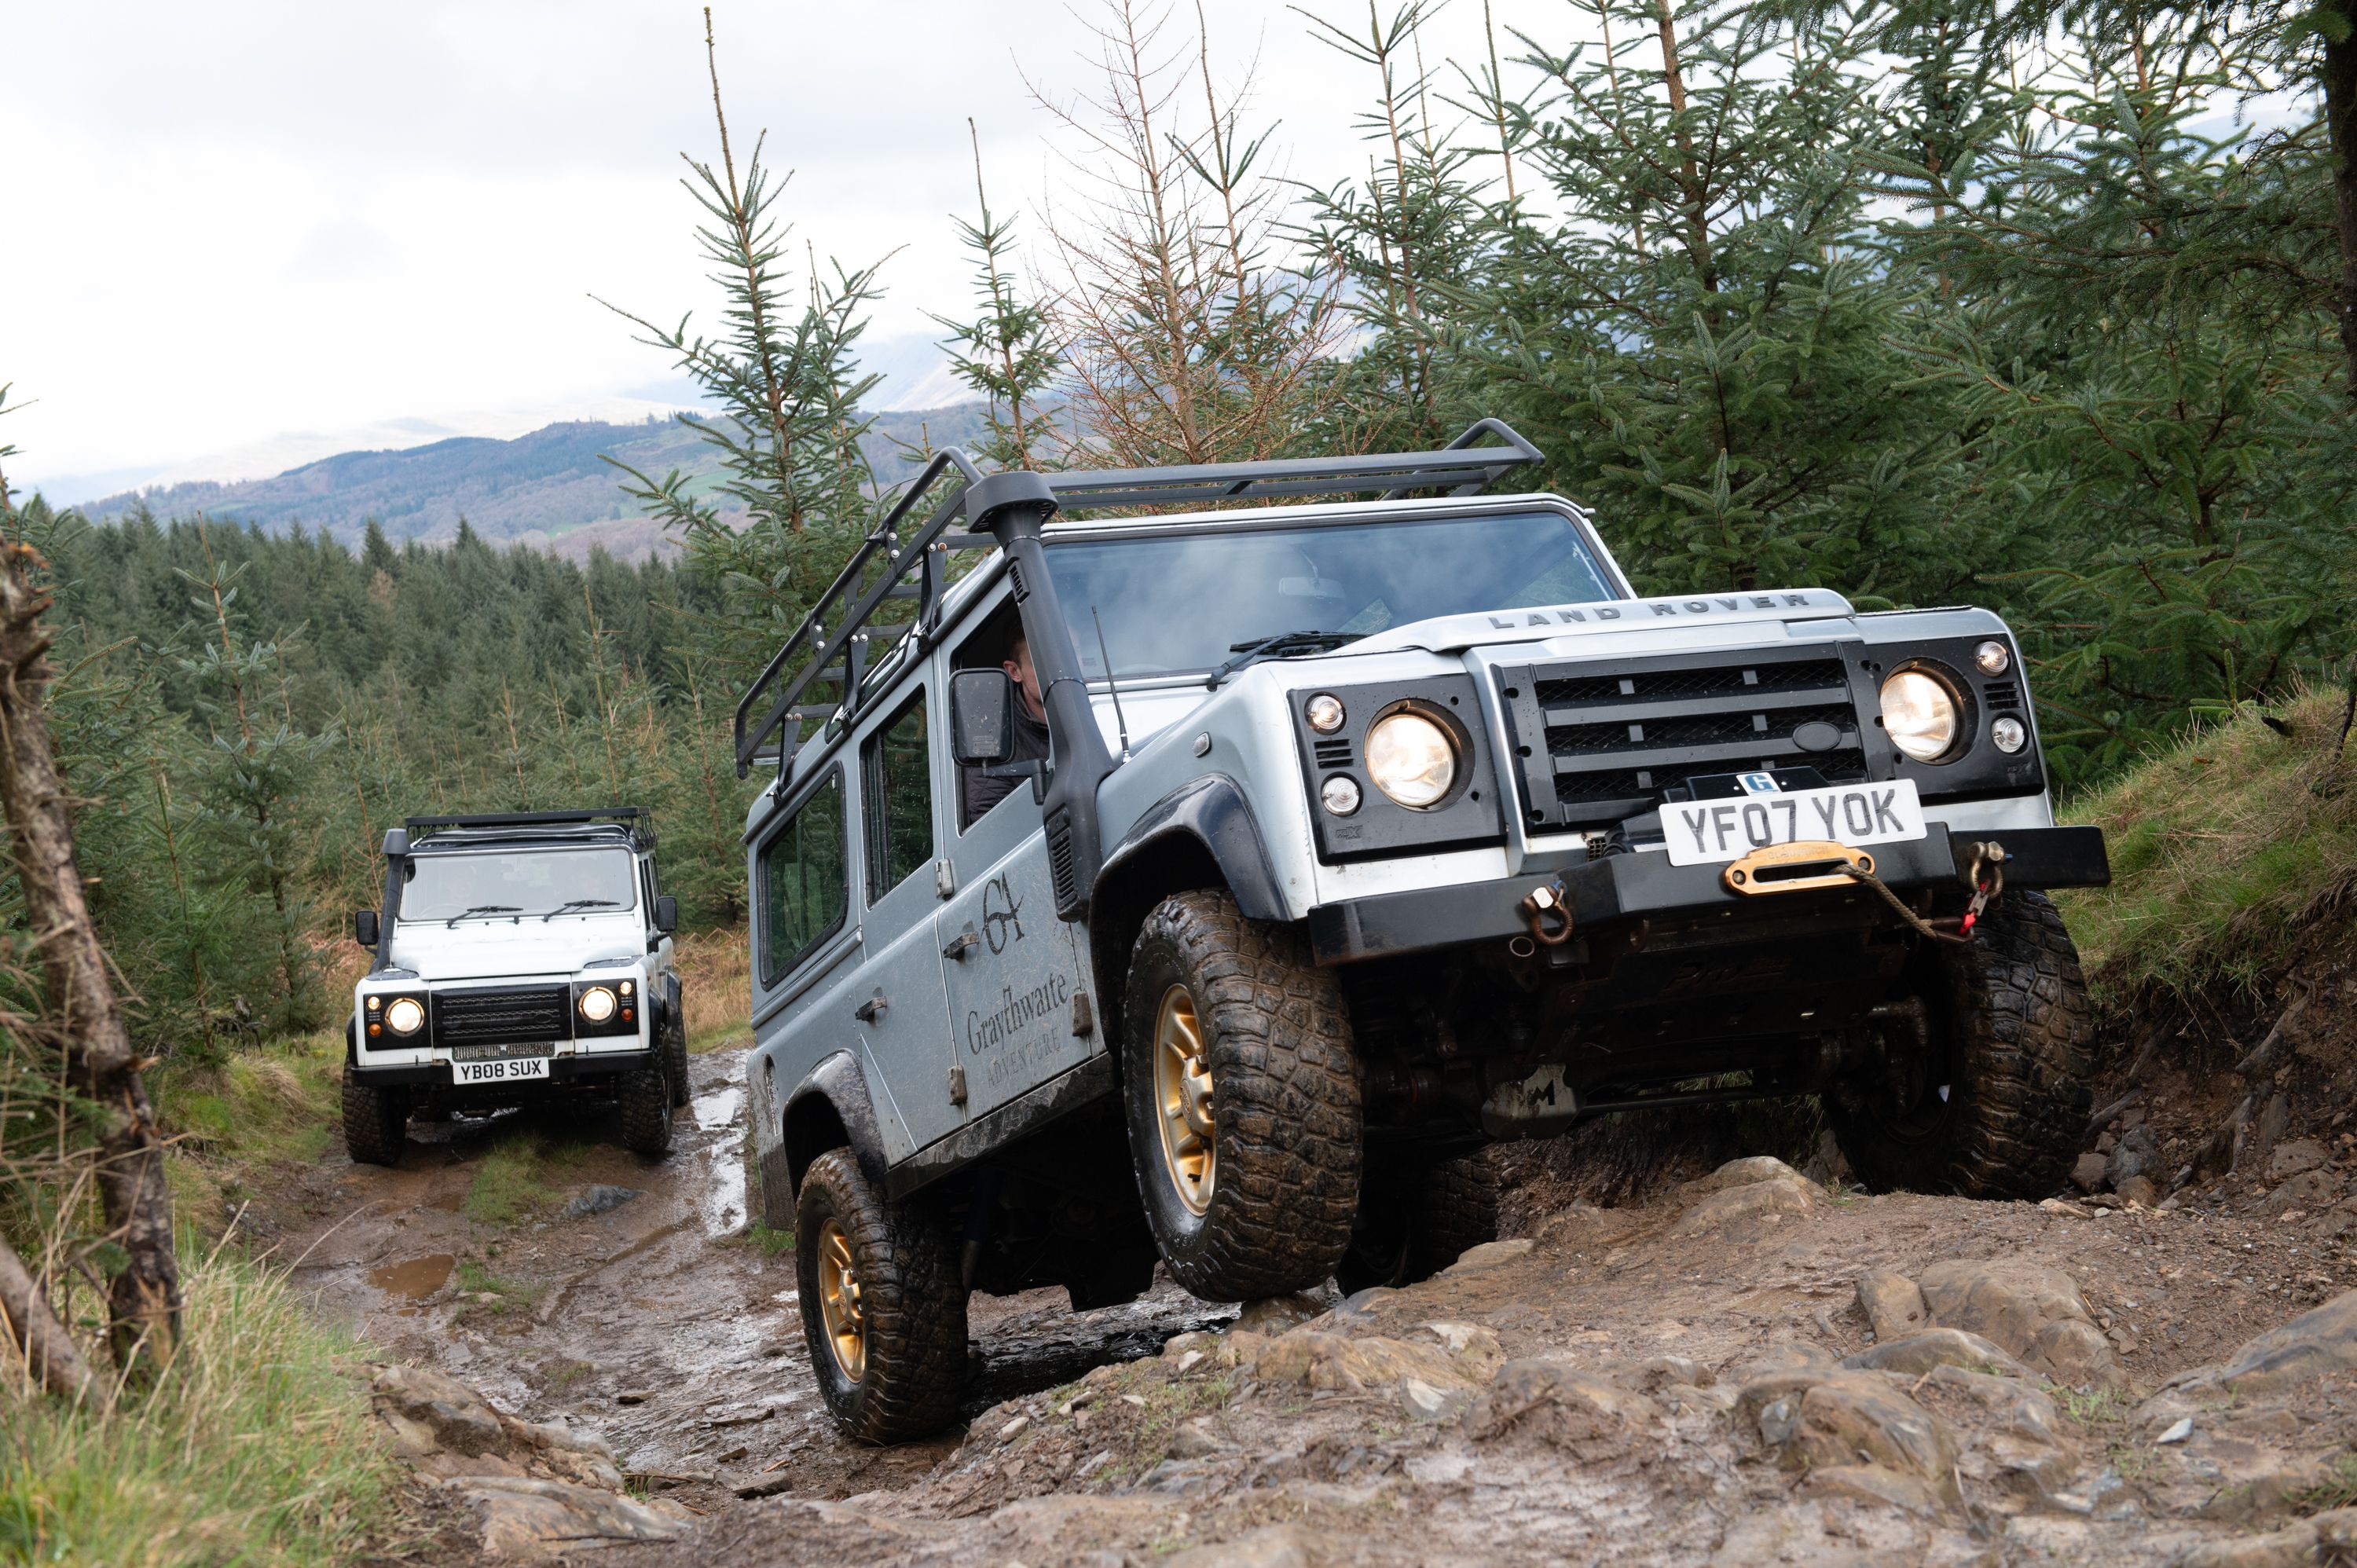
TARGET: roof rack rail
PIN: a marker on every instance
(638, 817)
(833, 645)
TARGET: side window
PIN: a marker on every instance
(897, 783)
(805, 881)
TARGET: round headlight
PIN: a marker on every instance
(1340, 794)
(1324, 713)
(1993, 657)
(405, 1016)
(1920, 712)
(597, 1005)
(1411, 760)
(2010, 735)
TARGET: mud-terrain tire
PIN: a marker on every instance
(1410, 1232)
(1283, 1111)
(2011, 1030)
(643, 1097)
(912, 1306)
(672, 1037)
(376, 1122)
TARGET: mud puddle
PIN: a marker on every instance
(659, 1321)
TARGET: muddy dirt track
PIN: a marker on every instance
(1663, 1383)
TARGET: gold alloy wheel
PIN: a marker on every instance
(1182, 1093)
(838, 1300)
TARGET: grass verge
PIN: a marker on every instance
(2227, 848)
(715, 973)
(256, 1447)
(276, 1104)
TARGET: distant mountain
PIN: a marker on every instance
(549, 490)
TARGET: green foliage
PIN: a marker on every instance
(256, 1447)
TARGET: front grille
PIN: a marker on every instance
(1597, 744)
(517, 1015)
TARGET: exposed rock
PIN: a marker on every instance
(1892, 1303)
(1738, 1173)
(2292, 1547)
(1872, 1484)
(1467, 1340)
(446, 1430)
(1559, 1403)
(600, 1199)
(2309, 1345)
(1918, 1353)
(2089, 1173)
(2139, 1189)
(1488, 1255)
(526, 1517)
(1274, 1546)
(2034, 1312)
(1815, 1420)
(1651, 1374)
(1353, 1365)
(1785, 1193)
(1197, 1439)
(1276, 1314)
(2293, 1156)
(1423, 1401)
(2136, 1155)
(2308, 1190)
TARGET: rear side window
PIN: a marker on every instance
(805, 881)
(898, 805)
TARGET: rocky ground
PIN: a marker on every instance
(1752, 1367)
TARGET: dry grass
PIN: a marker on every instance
(256, 1447)
(2228, 849)
(716, 970)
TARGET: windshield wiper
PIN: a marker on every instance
(483, 909)
(570, 905)
(1283, 645)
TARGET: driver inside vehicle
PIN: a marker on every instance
(980, 788)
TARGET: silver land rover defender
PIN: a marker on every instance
(1208, 886)
(520, 959)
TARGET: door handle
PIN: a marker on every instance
(963, 943)
(873, 1008)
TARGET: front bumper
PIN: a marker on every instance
(576, 1070)
(1644, 885)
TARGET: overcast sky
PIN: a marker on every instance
(245, 235)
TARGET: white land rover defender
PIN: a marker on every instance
(1204, 881)
(520, 959)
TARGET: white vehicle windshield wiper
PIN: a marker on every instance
(570, 905)
(483, 909)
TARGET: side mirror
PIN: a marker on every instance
(364, 928)
(666, 914)
(982, 717)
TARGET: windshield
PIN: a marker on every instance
(521, 882)
(1182, 604)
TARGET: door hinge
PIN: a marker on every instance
(944, 879)
(873, 1008)
(963, 943)
(957, 1086)
(1084, 1018)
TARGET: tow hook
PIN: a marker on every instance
(1988, 857)
(1547, 913)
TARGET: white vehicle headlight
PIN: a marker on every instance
(597, 1003)
(1412, 759)
(405, 1016)
(1919, 713)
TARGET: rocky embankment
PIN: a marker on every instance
(1752, 1370)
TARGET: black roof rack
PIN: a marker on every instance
(638, 819)
(831, 645)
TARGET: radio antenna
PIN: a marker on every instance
(1112, 686)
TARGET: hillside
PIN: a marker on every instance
(550, 489)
